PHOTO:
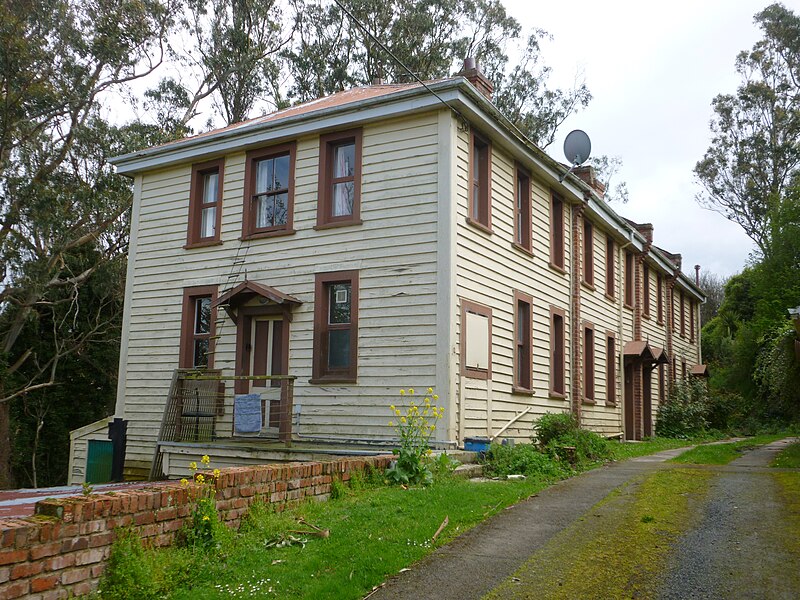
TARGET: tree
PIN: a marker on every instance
(713, 287)
(332, 52)
(755, 149)
(58, 196)
(607, 167)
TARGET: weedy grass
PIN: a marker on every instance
(788, 458)
(626, 450)
(722, 454)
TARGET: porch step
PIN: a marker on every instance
(463, 456)
(468, 471)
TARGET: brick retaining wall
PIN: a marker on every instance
(64, 547)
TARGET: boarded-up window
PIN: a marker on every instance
(522, 347)
(480, 171)
(610, 262)
(660, 298)
(588, 253)
(588, 362)
(646, 283)
(476, 340)
(557, 366)
(557, 232)
(611, 370)
(629, 266)
(522, 211)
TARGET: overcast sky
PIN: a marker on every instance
(653, 69)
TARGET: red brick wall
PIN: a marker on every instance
(63, 549)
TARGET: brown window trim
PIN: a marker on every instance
(630, 275)
(557, 233)
(611, 263)
(249, 230)
(325, 190)
(683, 313)
(691, 320)
(517, 388)
(662, 383)
(478, 309)
(660, 299)
(646, 290)
(588, 363)
(611, 368)
(523, 239)
(320, 374)
(482, 220)
(522, 249)
(186, 351)
(554, 392)
(193, 239)
(588, 254)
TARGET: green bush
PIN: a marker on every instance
(127, 575)
(552, 426)
(522, 459)
(686, 411)
(589, 446)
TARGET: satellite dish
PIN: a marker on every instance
(577, 147)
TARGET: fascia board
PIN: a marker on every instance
(410, 101)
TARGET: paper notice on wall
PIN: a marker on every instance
(247, 413)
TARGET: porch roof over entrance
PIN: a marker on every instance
(248, 290)
(640, 350)
(659, 355)
(700, 370)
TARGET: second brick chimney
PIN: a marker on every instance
(588, 174)
(473, 74)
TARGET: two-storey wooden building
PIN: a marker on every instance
(380, 239)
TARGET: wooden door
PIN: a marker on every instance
(268, 357)
(630, 434)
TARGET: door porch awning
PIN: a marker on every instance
(699, 371)
(246, 291)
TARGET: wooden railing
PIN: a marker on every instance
(196, 402)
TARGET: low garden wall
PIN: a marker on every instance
(64, 547)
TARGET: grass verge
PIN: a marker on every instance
(374, 532)
(619, 548)
(722, 454)
(788, 458)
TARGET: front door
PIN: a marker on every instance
(267, 357)
(630, 434)
(647, 402)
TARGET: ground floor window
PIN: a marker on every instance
(336, 327)
(197, 328)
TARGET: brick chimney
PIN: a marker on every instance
(473, 74)
(589, 176)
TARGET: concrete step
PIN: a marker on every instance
(463, 456)
(468, 471)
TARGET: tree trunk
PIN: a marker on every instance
(6, 478)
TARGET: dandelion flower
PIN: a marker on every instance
(411, 391)
(184, 481)
(433, 427)
(430, 390)
(402, 392)
(436, 396)
(205, 460)
(201, 479)
(403, 420)
(193, 466)
(206, 518)
(391, 407)
(216, 472)
(391, 423)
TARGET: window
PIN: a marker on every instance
(683, 314)
(691, 321)
(662, 385)
(672, 310)
(588, 362)
(588, 253)
(611, 369)
(339, 179)
(610, 267)
(336, 327)
(646, 284)
(660, 298)
(683, 370)
(557, 233)
(629, 266)
(197, 328)
(523, 366)
(557, 366)
(205, 204)
(476, 340)
(269, 192)
(480, 173)
(522, 211)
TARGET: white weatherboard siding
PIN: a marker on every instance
(488, 270)
(394, 250)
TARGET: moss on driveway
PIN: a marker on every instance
(619, 548)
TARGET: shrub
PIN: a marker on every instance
(589, 447)
(523, 459)
(552, 426)
(686, 411)
(127, 575)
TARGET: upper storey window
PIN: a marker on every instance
(480, 173)
(269, 192)
(556, 232)
(205, 204)
(339, 179)
(522, 211)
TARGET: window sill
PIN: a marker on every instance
(610, 297)
(557, 395)
(471, 374)
(522, 391)
(266, 234)
(478, 225)
(327, 380)
(522, 248)
(556, 268)
(335, 224)
(646, 316)
(588, 286)
(628, 306)
(205, 244)
(588, 401)
(660, 322)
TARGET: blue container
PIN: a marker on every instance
(476, 444)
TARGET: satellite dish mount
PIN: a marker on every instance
(577, 148)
